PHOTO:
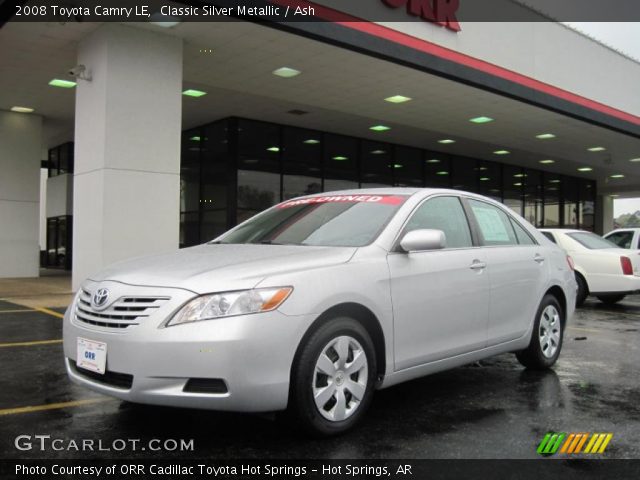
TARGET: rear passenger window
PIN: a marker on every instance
(521, 234)
(446, 214)
(549, 236)
(621, 239)
(495, 226)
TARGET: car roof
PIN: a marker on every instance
(393, 191)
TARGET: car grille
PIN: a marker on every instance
(123, 313)
(113, 379)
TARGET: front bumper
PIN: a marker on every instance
(251, 354)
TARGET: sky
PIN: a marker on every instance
(625, 37)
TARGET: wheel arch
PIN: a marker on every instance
(558, 293)
(362, 315)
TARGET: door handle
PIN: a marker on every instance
(478, 265)
(538, 258)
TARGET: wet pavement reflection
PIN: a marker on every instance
(491, 409)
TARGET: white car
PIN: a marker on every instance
(603, 269)
(625, 238)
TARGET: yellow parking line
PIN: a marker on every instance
(15, 311)
(51, 406)
(30, 344)
(50, 312)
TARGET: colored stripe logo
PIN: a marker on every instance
(574, 443)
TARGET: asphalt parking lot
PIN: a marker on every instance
(494, 409)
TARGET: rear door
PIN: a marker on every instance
(517, 271)
(440, 297)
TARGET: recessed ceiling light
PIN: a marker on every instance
(614, 195)
(273, 149)
(520, 175)
(545, 136)
(484, 179)
(194, 93)
(634, 159)
(22, 109)
(481, 120)
(617, 175)
(443, 172)
(446, 141)
(554, 180)
(585, 169)
(482, 169)
(195, 139)
(517, 184)
(433, 160)
(340, 158)
(378, 152)
(548, 161)
(397, 99)
(398, 165)
(56, 82)
(286, 72)
(311, 141)
(501, 152)
(596, 149)
(379, 128)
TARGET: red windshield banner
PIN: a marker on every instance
(383, 199)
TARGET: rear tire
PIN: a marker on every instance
(333, 378)
(583, 290)
(546, 338)
(610, 299)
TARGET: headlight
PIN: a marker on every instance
(243, 302)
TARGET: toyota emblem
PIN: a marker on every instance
(100, 297)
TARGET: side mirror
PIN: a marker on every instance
(420, 240)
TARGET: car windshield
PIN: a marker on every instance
(591, 240)
(338, 220)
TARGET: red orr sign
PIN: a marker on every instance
(442, 12)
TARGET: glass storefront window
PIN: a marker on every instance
(376, 164)
(489, 180)
(437, 170)
(587, 205)
(301, 162)
(552, 186)
(340, 162)
(257, 191)
(513, 188)
(60, 159)
(464, 174)
(190, 171)
(570, 201)
(235, 168)
(533, 206)
(408, 167)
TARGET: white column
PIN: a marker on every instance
(604, 214)
(127, 148)
(20, 149)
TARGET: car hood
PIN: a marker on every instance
(217, 267)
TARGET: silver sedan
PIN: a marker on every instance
(315, 303)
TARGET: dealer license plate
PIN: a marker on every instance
(92, 355)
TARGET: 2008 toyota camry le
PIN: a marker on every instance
(315, 303)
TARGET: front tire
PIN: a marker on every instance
(610, 299)
(333, 378)
(546, 339)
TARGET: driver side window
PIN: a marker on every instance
(446, 214)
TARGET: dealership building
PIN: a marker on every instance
(168, 134)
